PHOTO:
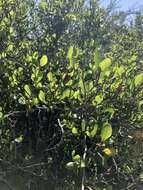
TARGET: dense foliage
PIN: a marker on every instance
(71, 92)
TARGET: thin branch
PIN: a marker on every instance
(83, 171)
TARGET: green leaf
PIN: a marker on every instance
(22, 100)
(19, 139)
(133, 59)
(91, 129)
(50, 76)
(141, 176)
(1, 114)
(139, 79)
(87, 133)
(72, 16)
(41, 96)
(106, 131)
(140, 105)
(74, 131)
(70, 165)
(107, 151)
(70, 53)
(73, 153)
(34, 101)
(82, 164)
(98, 99)
(81, 85)
(97, 57)
(43, 4)
(83, 125)
(89, 85)
(43, 60)
(11, 30)
(94, 131)
(105, 64)
(66, 93)
(109, 110)
(119, 70)
(76, 94)
(27, 90)
(69, 83)
(76, 157)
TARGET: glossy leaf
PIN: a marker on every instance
(70, 53)
(76, 157)
(43, 60)
(27, 90)
(105, 64)
(66, 93)
(139, 79)
(98, 99)
(94, 130)
(109, 110)
(106, 132)
(74, 130)
(70, 165)
(83, 125)
(41, 96)
(19, 139)
(107, 151)
(82, 164)
(50, 76)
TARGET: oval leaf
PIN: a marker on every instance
(41, 96)
(1, 115)
(27, 90)
(70, 165)
(76, 157)
(74, 130)
(82, 164)
(106, 132)
(66, 93)
(105, 64)
(107, 151)
(98, 99)
(50, 76)
(70, 53)
(43, 60)
(139, 79)
(94, 131)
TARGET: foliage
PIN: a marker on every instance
(70, 87)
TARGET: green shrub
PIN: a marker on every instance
(63, 92)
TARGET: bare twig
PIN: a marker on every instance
(83, 170)
(61, 139)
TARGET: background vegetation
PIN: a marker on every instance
(71, 94)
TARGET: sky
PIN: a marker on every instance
(126, 4)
